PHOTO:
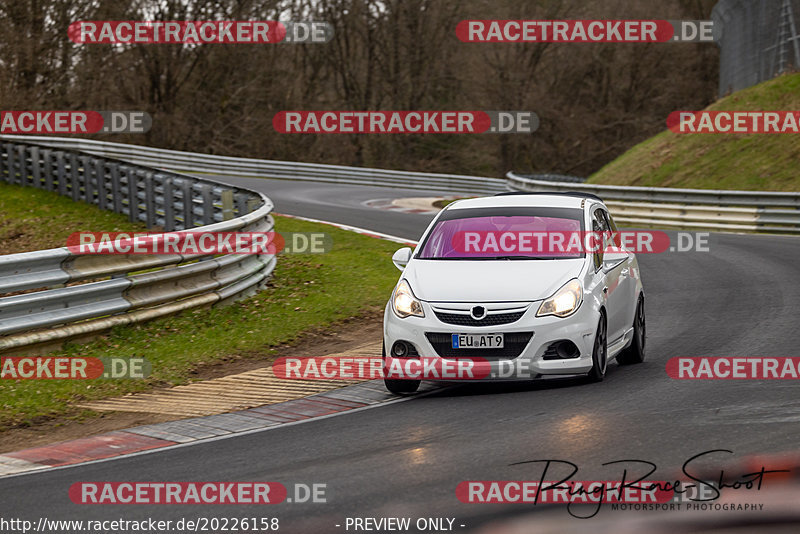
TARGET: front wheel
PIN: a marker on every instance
(396, 386)
(635, 353)
(599, 353)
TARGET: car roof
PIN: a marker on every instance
(525, 200)
(579, 194)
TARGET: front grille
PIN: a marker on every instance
(514, 343)
(487, 320)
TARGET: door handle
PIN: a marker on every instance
(625, 271)
(605, 290)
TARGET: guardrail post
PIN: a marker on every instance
(47, 167)
(8, 151)
(133, 195)
(22, 165)
(208, 204)
(3, 161)
(188, 205)
(116, 189)
(125, 181)
(169, 205)
(100, 174)
(149, 200)
(227, 204)
(75, 178)
(61, 172)
(89, 185)
(252, 204)
(36, 170)
(10, 163)
(241, 204)
(126, 188)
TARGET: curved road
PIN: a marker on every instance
(341, 204)
(405, 459)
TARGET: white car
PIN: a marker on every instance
(550, 313)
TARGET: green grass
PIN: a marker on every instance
(719, 161)
(34, 219)
(307, 292)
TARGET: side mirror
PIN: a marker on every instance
(402, 257)
(612, 259)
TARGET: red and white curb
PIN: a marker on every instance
(389, 204)
(197, 429)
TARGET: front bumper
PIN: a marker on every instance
(530, 363)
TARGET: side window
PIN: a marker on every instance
(611, 228)
(611, 222)
(600, 226)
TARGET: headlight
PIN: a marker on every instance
(404, 302)
(564, 302)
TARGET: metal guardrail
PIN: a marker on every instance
(123, 289)
(751, 211)
(554, 178)
(676, 208)
(260, 168)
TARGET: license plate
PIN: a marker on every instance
(477, 341)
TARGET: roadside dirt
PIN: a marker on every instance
(340, 337)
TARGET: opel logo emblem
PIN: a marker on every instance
(478, 312)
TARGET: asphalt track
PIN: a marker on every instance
(341, 204)
(739, 299)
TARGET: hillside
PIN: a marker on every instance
(769, 162)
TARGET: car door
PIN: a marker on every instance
(613, 283)
(627, 282)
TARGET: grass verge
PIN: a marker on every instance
(34, 219)
(766, 162)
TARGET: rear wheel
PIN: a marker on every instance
(599, 353)
(397, 386)
(635, 353)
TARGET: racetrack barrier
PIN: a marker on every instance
(283, 170)
(51, 295)
(715, 209)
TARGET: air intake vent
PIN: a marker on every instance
(491, 319)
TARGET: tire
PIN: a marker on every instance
(635, 353)
(599, 352)
(397, 386)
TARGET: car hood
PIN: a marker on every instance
(489, 280)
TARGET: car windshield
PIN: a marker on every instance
(503, 234)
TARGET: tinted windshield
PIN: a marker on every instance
(501, 233)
